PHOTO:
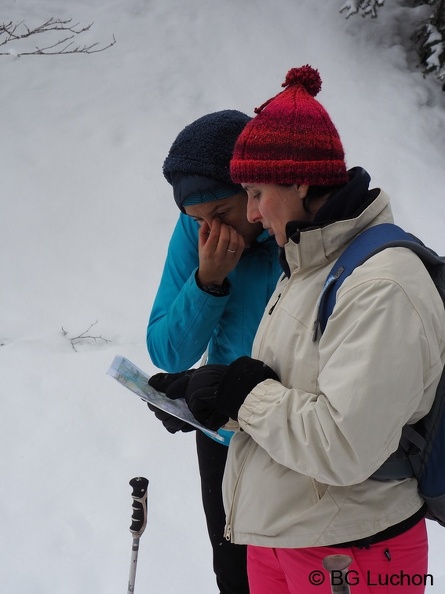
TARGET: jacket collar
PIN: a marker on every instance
(346, 214)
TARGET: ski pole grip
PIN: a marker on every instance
(139, 506)
(337, 566)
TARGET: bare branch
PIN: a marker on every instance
(84, 336)
(85, 49)
(10, 32)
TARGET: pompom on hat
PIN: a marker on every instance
(292, 138)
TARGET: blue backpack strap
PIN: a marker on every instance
(365, 245)
(415, 455)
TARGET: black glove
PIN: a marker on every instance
(216, 392)
(173, 385)
(202, 382)
(201, 396)
(171, 423)
(162, 383)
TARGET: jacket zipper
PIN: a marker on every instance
(228, 526)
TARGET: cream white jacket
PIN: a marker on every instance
(297, 471)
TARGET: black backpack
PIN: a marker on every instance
(421, 451)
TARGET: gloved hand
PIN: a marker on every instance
(173, 385)
(201, 396)
(216, 392)
(162, 382)
(171, 423)
(184, 384)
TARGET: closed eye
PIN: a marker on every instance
(253, 194)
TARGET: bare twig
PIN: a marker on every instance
(84, 336)
(11, 31)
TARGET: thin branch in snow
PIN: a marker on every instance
(16, 32)
(84, 336)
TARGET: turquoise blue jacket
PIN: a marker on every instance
(185, 320)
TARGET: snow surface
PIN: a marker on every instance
(86, 218)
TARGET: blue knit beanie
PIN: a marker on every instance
(198, 163)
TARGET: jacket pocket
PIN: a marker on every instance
(319, 488)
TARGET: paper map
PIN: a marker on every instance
(133, 378)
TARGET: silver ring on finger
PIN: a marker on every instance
(231, 251)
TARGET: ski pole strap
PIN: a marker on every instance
(139, 506)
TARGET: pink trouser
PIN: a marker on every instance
(398, 565)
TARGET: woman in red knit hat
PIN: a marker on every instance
(318, 416)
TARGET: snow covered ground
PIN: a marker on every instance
(85, 219)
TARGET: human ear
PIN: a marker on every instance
(302, 191)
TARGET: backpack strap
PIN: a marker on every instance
(364, 246)
(408, 459)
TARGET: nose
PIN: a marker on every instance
(207, 220)
(252, 213)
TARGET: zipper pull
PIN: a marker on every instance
(273, 306)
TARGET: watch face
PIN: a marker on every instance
(216, 290)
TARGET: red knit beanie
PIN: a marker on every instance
(292, 139)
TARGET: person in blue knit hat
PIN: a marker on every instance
(219, 273)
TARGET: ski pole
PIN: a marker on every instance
(339, 580)
(139, 521)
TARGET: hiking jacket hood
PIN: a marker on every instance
(297, 472)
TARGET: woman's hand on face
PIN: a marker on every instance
(220, 248)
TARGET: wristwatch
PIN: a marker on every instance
(215, 290)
